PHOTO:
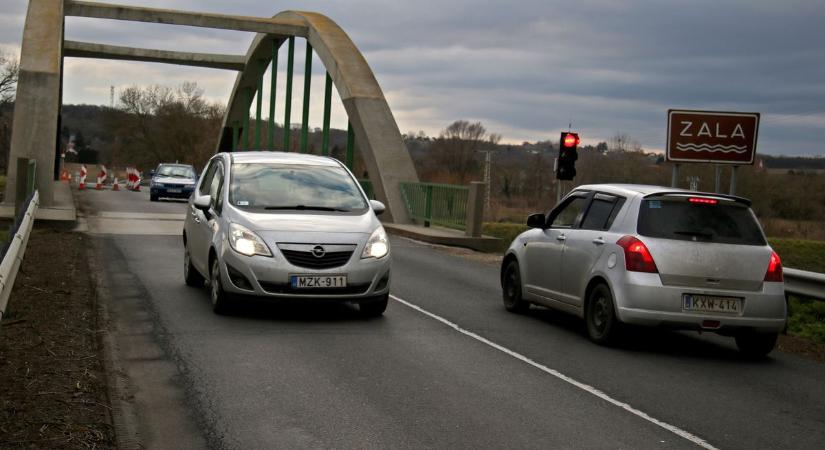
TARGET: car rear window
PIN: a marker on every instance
(677, 218)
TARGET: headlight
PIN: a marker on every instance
(377, 246)
(246, 242)
(157, 185)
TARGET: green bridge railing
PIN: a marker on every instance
(439, 204)
(366, 185)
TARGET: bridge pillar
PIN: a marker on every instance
(37, 103)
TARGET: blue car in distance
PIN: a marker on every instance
(172, 181)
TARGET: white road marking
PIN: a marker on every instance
(585, 387)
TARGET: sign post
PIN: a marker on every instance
(711, 137)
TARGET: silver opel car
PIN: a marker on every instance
(285, 226)
(618, 254)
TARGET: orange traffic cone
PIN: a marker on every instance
(81, 186)
(115, 186)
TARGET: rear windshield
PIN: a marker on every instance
(273, 187)
(723, 222)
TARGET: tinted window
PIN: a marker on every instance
(724, 222)
(215, 188)
(598, 214)
(567, 216)
(206, 182)
(280, 186)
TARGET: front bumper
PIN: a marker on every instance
(269, 277)
(642, 300)
(171, 192)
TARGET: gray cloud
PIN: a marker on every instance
(525, 68)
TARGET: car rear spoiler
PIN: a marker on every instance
(734, 198)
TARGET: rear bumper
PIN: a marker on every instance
(643, 300)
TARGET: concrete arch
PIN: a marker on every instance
(376, 132)
(39, 90)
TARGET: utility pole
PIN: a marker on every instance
(112, 97)
(488, 157)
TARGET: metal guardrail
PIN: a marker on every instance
(804, 283)
(439, 204)
(13, 257)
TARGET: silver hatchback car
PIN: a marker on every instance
(285, 226)
(629, 254)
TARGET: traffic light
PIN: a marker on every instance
(566, 167)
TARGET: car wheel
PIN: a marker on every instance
(190, 273)
(374, 307)
(511, 289)
(600, 315)
(153, 198)
(216, 293)
(756, 345)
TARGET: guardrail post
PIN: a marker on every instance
(428, 206)
(475, 209)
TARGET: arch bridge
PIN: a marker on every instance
(371, 125)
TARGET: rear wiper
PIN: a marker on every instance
(305, 208)
(703, 234)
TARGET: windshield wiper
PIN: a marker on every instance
(305, 208)
(703, 234)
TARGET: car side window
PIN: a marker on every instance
(599, 213)
(566, 217)
(215, 186)
(206, 182)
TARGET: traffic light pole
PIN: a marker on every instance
(559, 189)
(674, 180)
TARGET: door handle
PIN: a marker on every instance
(560, 237)
(598, 241)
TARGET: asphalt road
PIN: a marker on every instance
(446, 366)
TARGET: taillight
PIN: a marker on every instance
(774, 272)
(637, 257)
(703, 200)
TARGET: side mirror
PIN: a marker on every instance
(202, 202)
(151, 173)
(536, 221)
(378, 207)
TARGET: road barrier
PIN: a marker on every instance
(132, 179)
(101, 177)
(804, 283)
(82, 184)
(16, 248)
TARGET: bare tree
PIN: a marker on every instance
(9, 70)
(165, 124)
(456, 146)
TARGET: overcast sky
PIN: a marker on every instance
(523, 68)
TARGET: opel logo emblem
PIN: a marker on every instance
(318, 251)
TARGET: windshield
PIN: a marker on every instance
(268, 186)
(722, 222)
(176, 171)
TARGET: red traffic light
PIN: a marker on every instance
(570, 139)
